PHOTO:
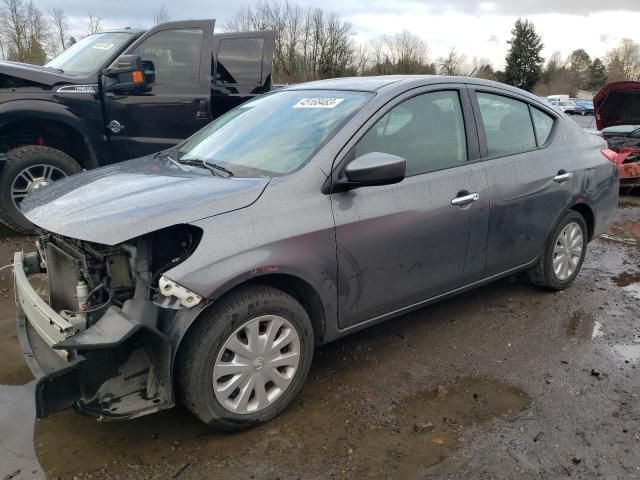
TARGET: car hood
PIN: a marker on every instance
(617, 104)
(113, 204)
(12, 73)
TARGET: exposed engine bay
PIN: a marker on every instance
(119, 304)
(85, 278)
(627, 147)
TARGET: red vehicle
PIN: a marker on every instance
(617, 109)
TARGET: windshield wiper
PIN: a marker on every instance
(217, 167)
(59, 70)
(167, 155)
(202, 163)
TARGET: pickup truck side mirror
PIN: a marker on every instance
(374, 168)
(127, 75)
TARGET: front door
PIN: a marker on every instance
(399, 245)
(177, 60)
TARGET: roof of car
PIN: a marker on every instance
(124, 30)
(373, 84)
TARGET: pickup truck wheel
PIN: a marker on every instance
(246, 358)
(563, 254)
(26, 170)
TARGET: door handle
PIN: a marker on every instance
(562, 176)
(465, 200)
(202, 112)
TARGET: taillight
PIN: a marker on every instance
(610, 155)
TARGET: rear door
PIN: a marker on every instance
(530, 178)
(241, 68)
(177, 58)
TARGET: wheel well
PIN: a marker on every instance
(588, 216)
(302, 292)
(48, 133)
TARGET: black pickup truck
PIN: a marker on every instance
(118, 95)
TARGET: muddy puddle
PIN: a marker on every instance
(583, 326)
(317, 434)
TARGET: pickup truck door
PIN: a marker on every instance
(177, 103)
(242, 67)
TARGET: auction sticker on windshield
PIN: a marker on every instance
(318, 102)
(103, 46)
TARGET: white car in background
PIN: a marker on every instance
(570, 107)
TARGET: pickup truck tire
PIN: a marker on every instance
(40, 164)
(203, 376)
(571, 231)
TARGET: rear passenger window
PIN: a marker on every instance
(507, 124)
(239, 61)
(543, 124)
(426, 130)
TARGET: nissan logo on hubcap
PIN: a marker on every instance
(258, 363)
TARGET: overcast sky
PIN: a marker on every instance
(477, 29)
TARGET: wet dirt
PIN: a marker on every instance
(625, 279)
(318, 432)
(13, 370)
(506, 381)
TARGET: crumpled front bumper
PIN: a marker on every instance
(119, 368)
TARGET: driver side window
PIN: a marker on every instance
(172, 57)
(426, 130)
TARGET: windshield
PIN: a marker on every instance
(274, 134)
(89, 54)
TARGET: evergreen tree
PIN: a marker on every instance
(524, 63)
(597, 75)
(580, 67)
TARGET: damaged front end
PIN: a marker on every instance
(99, 340)
(627, 149)
(617, 111)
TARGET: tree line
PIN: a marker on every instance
(313, 43)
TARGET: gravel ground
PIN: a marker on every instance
(507, 381)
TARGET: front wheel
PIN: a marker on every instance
(563, 254)
(27, 170)
(246, 359)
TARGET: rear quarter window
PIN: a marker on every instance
(543, 123)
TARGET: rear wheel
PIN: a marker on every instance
(27, 170)
(563, 254)
(246, 359)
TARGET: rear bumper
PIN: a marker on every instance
(119, 368)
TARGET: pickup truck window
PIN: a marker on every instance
(172, 57)
(274, 134)
(90, 54)
(239, 61)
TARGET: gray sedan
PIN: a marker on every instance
(213, 269)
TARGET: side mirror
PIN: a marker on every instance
(375, 168)
(127, 75)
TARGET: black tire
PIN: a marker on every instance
(542, 273)
(205, 339)
(19, 159)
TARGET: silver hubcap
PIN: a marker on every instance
(567, 251)
(256, 364)
(32, 179)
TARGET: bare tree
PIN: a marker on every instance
(451, 64)
(310, 43)
(24, 31)
(59, 20)
(94, 25)
(361, 57)
(160, 15)
(623, 62)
